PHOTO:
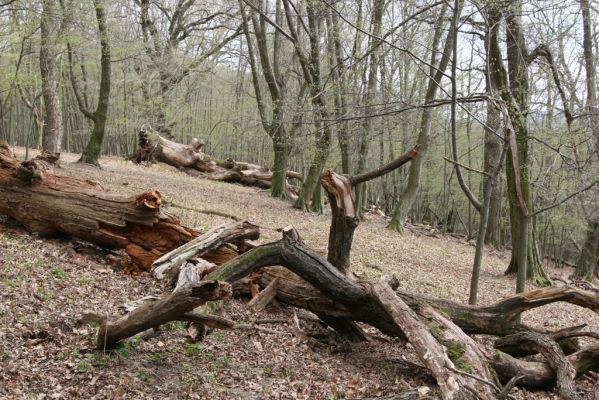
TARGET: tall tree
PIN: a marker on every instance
(50, 27)
(92, 150)
(378, 8)
(182, 22)
(525, 258)
(589, 255)
(436, 74)
(310, 63)
(269, 63)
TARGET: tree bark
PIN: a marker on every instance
(153, 314)
(589, 255)
(50, 30)
(51, 204)
(192, 160)
(92, 150)
(408, 195)
(525, 257)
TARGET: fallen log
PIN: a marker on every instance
(155, 313)
(332, 293)
(499, 319)
(163, 267)
(563, 368)
(50, 204)
(192, 160)
(539, 375)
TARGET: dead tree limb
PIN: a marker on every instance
(540, 375)
(563, 368)
(156, 313)
(163, 267)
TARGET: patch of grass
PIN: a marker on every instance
(335, 396)
(9, 282)
(211, 378)
(143, 375)
(84, 280)
(286, 372)
(83, 366)
(44, 294)
(124, 349)
(59, 273)
(157, 356)
(193, 349)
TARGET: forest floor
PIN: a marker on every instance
(46, 284)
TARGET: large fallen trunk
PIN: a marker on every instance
(50, 204)
(192, 159)
(328, 292)
(435, 328)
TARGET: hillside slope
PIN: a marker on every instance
(47, 284)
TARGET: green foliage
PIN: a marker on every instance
(455, 351)
(193, 349)
(83, 366)
(335, 396)
(59, 273)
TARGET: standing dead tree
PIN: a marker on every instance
(345, 218)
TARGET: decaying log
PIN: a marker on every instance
(153, 314)
(192, 160)
(430, 351)
(343, 208)
(563, 368)
(540, 375)
(500, 319)
(333, 293)
(163, 267)
(50, 204)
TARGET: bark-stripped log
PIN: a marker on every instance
(166, 266)
(50, 204)
(192, 160)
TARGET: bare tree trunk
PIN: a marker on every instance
(589, 254)
(492, 151)
(50, 28)
(407, 197)
(378, 7)
(91, 153)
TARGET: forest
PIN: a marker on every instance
(250, 198)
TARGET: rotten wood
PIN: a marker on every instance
(265, 296)
(50, 205)
(539, 375)
(192, 160)
(430, 351)
(345, 217)
(166, 266)
(563, 368)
